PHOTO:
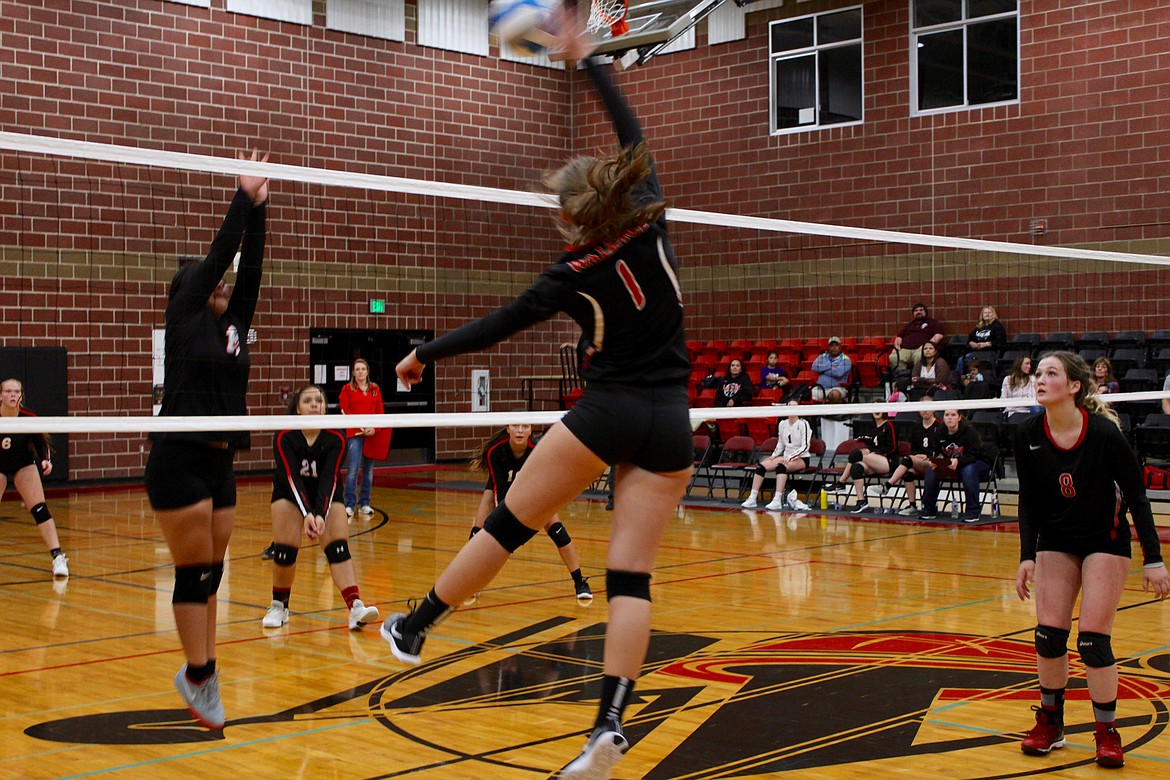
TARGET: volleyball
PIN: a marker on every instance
(522, 23)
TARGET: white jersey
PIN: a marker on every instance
(795, 439)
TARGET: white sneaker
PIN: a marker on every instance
(360, 614)
(605, 747)
(349, 511)
(61, 566)
(879, 490)
(276, 616)
(749, 504)
(367, 510)
(775, 505)
(202, 699)
(909, 511)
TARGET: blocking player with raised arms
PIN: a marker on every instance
(24, 458)
(619, 283)
(502, 456)
(305, 500)
(1074, 537)
(189, 478)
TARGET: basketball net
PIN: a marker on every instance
(608, 13)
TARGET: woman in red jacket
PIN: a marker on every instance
(359, 396)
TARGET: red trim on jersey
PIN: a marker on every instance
(1080, 439)
(606, 249)
(288, 472)
(631, 283)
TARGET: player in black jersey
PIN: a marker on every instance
(189, 478)
(877, 455)
(305, 499)
(24, 458)
(502, 457)
(924, 445)
(619, 283)
(1073, 461)
(961, 454)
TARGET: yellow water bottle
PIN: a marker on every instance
(824, 499)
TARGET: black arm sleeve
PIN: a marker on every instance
(1029, 531)
(537, 304)
(1127, 473)
(247, 290)
(629, 132)
(328, 472)
(193, 295)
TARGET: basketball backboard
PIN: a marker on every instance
(653, 25)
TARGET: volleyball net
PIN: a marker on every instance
(92, 233)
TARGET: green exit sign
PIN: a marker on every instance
(377, 307)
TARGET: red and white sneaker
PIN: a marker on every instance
(1046, 735)
(1109, 752)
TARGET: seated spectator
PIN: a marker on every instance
(964, 454)
(918, 331)
(1019, 383)
(1103, 375)
(974, 372)
(878, 455)
(924, 445)
(793, 438)
(988, 333)
(735, 389)
(773, 375)
(833, 369)
(901, 395)
(931, 372)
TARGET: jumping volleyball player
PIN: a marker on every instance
(618, 282)
(305, 499)
(502, 456)
(1072, 460)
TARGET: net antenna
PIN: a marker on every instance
(608, 13)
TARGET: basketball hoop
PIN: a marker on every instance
(608, 13)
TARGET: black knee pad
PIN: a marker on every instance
(634, 584)
(192, 585)
(40, 513)
(855, 456)
(906, 461)
(1096, 649)
(1051, 642)
(759, 469)
(857, 471)
(474, 530)
(215, 579)
(506, 529)
(559, 535)
(284, 554)
(337, 551)
(781, 468)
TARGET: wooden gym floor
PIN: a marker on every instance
(786, 645)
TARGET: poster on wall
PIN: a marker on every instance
(158, 356)
(481, 390)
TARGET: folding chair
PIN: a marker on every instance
(701, 462)
(951, 488)
(738, 455)
(837, 464)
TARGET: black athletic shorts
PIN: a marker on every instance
(647, 426)
(180, 474)
(1083, 547)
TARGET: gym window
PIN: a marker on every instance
(964, 53)
(815, 73)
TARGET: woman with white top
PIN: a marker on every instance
(1020, 383)
(791, 455)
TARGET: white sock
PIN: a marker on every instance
(754, 495)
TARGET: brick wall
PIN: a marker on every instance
(86, 249)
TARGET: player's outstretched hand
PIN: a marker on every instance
(255, 186)
(409, 370)
(1158, 579)
(1024, 576)
(572, 42)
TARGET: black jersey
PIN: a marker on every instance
(18, 450)
(206, 364)
(884, 441)
(624, 293)
(307, 474)
(926, 439)
(1073, 493)
(503, 465)
(964, 445)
